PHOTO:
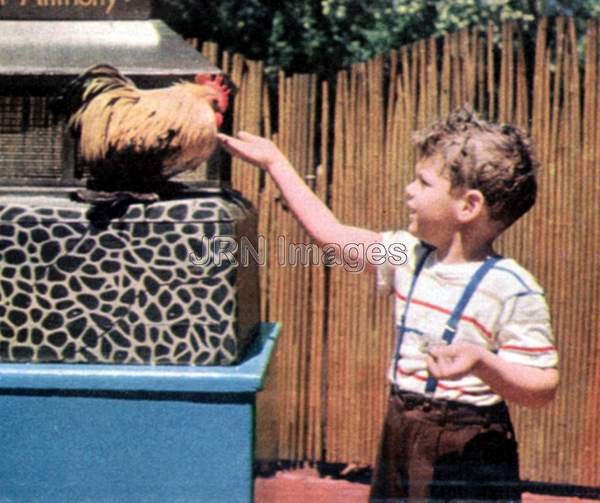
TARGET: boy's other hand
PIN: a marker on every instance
(251, 148)
(454, 361)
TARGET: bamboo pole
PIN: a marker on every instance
(502, 91)
(539, 78)
(580, 275)
(592, 432)
(446, 88)
(420, 55)
(522, 101)
(334, 304)
(319, 282)
(468, 69)
(432, 80)
(457, 79)
(480, 55)
(283, 286)
(491, 72)
(509, 74)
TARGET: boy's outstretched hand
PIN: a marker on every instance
(308, 208)
(251, 148)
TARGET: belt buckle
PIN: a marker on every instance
(428, 401)
(409, 401)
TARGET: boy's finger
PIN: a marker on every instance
(243, 135)
(239, 138)
(223, 137)
(227, 142)
(230, 143)
(432, 350)
(433, 366)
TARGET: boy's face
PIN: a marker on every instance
(431, 203)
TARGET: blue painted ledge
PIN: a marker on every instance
(246, 377)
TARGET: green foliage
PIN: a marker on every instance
(453, 15)
(239, 26)
(325, 35)
(322, 36)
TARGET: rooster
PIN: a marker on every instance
(135, 140)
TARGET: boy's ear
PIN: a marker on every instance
(470, 206)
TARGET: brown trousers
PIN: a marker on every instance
(445, 451)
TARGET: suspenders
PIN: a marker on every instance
(402, 329)
(452, 322)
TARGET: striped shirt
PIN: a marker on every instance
(507, 315)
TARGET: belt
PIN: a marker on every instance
(453, 411)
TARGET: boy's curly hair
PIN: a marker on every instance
(495, 159)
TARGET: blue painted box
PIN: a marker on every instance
(129, 433)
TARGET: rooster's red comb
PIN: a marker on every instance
(221, 83)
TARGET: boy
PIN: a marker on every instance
(473, 328)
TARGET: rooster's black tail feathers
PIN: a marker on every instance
(96, 80)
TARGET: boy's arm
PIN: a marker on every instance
(521, 384)
(316, 218)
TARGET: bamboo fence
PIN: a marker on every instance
(325, 394)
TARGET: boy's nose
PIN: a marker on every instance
(408, 190)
